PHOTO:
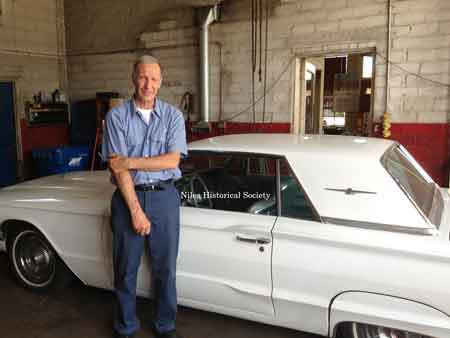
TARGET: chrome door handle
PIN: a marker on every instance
(263, 240)
(256, 240)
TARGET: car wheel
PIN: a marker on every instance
(357, 330)
(34, 263)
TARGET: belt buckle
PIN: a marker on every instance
(155, 187)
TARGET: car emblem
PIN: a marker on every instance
(350, 191)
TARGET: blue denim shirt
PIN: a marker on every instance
(126, 133)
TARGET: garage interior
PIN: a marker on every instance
(342, 67)
(64, 63)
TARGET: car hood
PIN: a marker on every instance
(87, 192)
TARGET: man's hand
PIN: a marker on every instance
(118, 164)
(141, 223)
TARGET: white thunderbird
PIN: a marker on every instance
(338, 236)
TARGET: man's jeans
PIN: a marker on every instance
(163, 210)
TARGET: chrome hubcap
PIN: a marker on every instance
(373, 331)
(34, 258)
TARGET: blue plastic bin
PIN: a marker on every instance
(56, 160)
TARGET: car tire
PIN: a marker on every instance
(358, 330)
(34, 263)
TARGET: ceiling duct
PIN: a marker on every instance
(207, 15)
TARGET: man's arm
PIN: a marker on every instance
(141, 224)
(176, 141)
(114, 142)
(120, 164)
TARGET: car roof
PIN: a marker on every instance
(285, 144)
(326, 166)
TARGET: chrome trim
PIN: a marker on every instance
(278, 185)
(380, 226)
(300, 186)
(350, 191)
(255, 240)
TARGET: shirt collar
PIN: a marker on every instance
(156, 108)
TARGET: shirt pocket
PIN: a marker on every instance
(135, 136)
(158, 144)
(134, 143)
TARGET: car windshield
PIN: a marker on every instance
(415, 182)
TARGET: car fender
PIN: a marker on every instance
(11, 222)
(388, 311)
(28, 221)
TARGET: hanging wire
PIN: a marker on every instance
(411, 73)
(253, 32)
(253, 58)
(265, 59)
(263, 95)
(260, 16)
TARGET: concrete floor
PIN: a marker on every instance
(84, 312)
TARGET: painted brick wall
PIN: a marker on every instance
(419, 107)
(32, 48)
(101, 25)
(106, 71)
(296, 27)
(420, 44)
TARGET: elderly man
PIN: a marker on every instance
(144, 139)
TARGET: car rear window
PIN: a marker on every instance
(415, 182)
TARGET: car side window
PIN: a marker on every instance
(230, 182)
(294, 203)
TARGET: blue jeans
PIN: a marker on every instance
(163, 210)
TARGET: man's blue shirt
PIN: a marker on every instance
(127, 134)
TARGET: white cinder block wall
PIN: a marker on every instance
(32, 48)
(420, 44)
(102, 42)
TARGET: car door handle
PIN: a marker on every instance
(256, 240)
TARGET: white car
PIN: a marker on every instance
(338, 236)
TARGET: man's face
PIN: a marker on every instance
(147, 82)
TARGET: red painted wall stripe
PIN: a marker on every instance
(428, 143)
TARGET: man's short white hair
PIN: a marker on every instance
(146, 60)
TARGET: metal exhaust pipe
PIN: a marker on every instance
(207, 16)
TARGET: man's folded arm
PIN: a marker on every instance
(162, 162)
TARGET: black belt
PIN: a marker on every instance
(157, 186)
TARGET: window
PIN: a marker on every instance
(294, 203)
(367, 67)
(230, 182)
(242, 183)
(415, 182)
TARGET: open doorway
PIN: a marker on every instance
(335, 94)
(348, 93)
(8, 146)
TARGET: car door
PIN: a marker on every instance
(300, 259)
(227, 214)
